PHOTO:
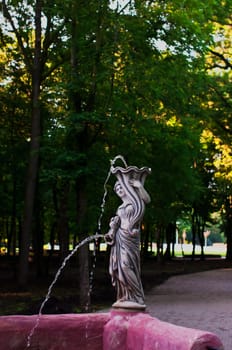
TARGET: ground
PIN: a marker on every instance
(64, 296)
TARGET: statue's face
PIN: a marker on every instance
(119, 190)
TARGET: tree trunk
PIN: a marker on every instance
(193, 226)
(34, 154)
(11, 231)
(39, 240)
(62, 221)
(160, 242)
(81, 200)
(170, 236)
(145, 240)
(84, 280)
(228, 228)
(201, 228)
(228, 232)
(83, 254)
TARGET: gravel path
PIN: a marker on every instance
(200, 300)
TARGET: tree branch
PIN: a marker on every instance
(222, 57)
(50, 38)
(7, 15)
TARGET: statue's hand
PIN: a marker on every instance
(135, 232)
(109, 239)
(142, 192)
(135, 183)
(114, 225)
(115, 222)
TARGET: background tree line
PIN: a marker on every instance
(81, 83)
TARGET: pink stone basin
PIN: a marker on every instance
(117, 330)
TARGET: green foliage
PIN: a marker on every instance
(132, 82)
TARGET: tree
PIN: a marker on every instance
(34, 56)
(219, 107)
(14, 134)
(129, 80)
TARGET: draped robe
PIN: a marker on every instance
(124, 266)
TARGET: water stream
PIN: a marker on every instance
(83, 242)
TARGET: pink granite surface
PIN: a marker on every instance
(117, 330)
(140, 331)
(54, 332)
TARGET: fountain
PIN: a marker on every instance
(127, 326)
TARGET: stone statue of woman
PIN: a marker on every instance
(124, 236)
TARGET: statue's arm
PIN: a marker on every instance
(114, 225)
(141, 190)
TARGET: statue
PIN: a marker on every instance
(124, 236)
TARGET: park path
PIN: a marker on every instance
(200, 300)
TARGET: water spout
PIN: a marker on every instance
(83, 242)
